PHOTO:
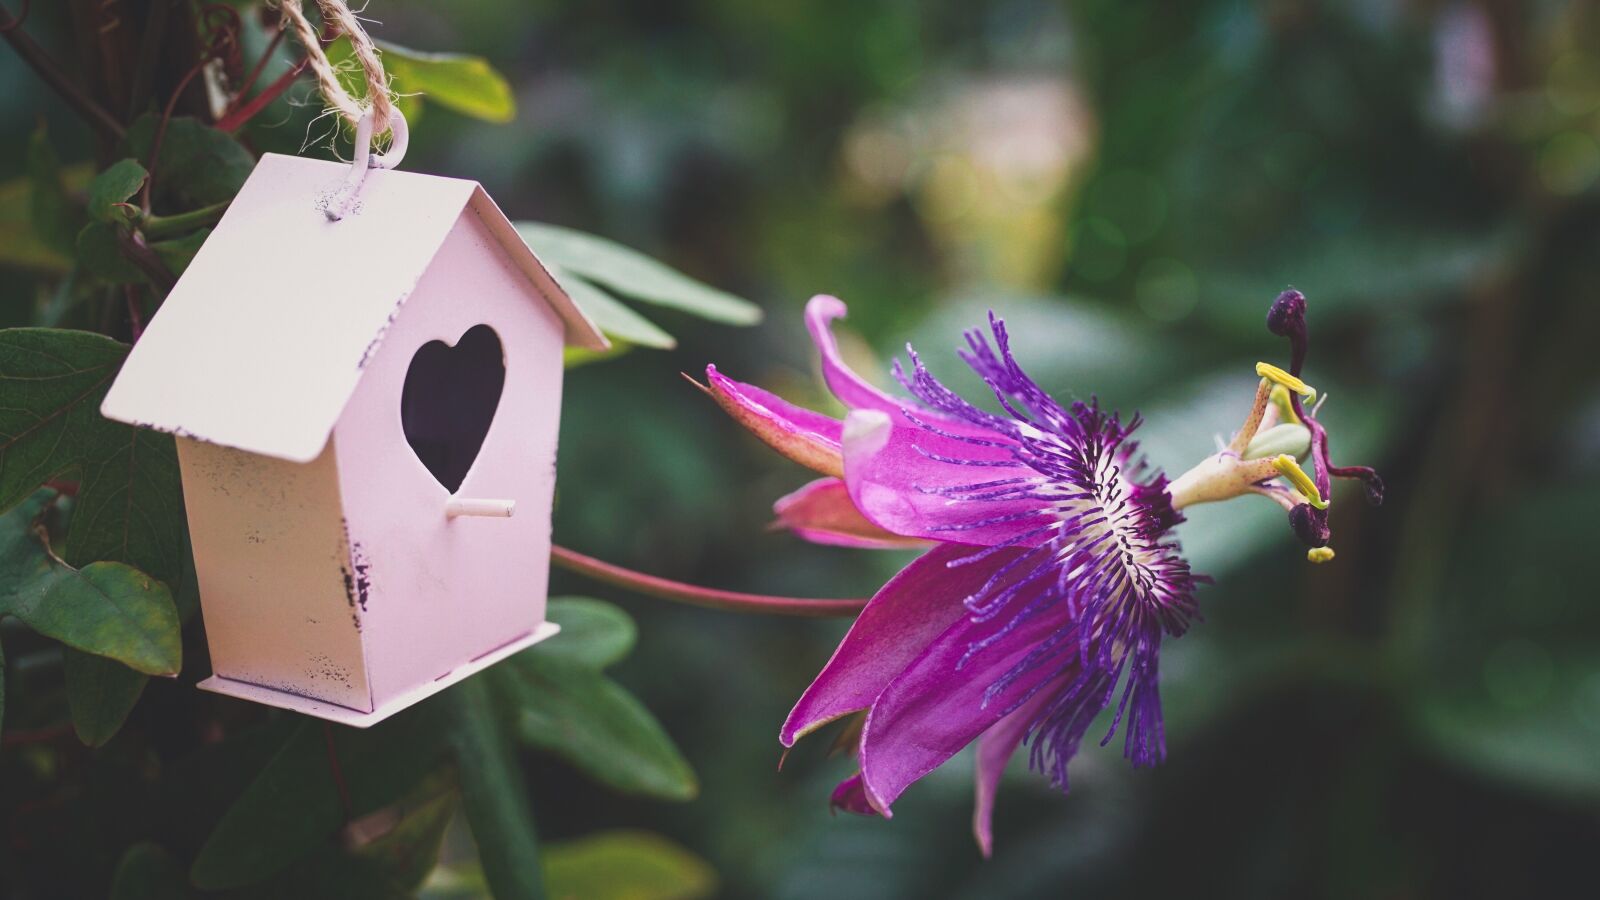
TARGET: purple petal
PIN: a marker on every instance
(809, 438)
(995, 748)
(921, 483)
(943, 700)
(822, 512)
(918, 604)
(850, 797)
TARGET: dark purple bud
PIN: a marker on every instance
(1310, 525)
(1287, 317)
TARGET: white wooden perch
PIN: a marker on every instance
(470, 506)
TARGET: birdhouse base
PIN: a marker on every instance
(344, 715)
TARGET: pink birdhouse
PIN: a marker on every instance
(366, 415)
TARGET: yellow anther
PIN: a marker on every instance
(1280, 399)
(1319, 554)
(1278, 376)
(1302, 482)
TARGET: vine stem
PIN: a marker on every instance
(34, 56)
(694, 595)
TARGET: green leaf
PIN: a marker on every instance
(626, 865)
(179, 252)
(573, 357)
(129, 507)
(594, 634)
(100, 694)
(147, 872)
(409, 850)
(560, 702)
(466, 84)
(596, 725)
(100, 254)
(108, 609)
(110, 190)
(612, 316)
(494, 798)
(198, 165)
(293, 806)
(632, 274)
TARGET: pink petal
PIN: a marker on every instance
(995, 748)
(809, 438)
(850, 797)
(900, 478)
(851, 389)
(938, 704)
(918, 604)
(823, 513)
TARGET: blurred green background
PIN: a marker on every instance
(1129, 185)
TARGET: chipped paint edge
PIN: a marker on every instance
(344, 715)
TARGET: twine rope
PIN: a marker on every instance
(380, 101)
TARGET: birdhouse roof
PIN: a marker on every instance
(263, 340)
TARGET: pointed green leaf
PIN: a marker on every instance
(466, 84)
(594, 634)
(111, 189)
(409, 850)
(633, 274)
(557, 700)
(147, 872)
(101, 693)
(494, 798)
(179, 252)
(612, 316)
(198, 165)
(595, 724)
(129, 506)
(293, 807)
(100, 254)
(108, 609)
(627, 865)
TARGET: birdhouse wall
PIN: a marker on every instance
(278, 590)
(444, 593)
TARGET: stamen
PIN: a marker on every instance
(1280, 399)
(1302, 482)
(1252, 422)
(1274, 374)
(1319, 555)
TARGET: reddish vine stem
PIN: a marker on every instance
(337, 770)
(255, 72)
(36, 736)
(34, 55)
(695, 595)
(235, 117)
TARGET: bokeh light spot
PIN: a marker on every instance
(1569, 163)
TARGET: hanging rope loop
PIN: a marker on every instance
(338, 18)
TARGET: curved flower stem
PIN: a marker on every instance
(694, 595)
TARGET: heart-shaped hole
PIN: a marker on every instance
(449, 400)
